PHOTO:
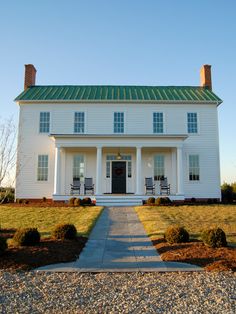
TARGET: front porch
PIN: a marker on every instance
(117, 167)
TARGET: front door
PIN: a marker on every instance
(118, 177)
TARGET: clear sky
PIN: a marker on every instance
(141, 42)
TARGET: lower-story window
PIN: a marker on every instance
(42, 174)
(78, 167)
(159, 167)
(194, 168)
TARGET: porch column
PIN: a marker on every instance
(57, 170)
(180, 189)
(98, 187)
(138, 171)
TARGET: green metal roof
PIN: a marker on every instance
(95, 93)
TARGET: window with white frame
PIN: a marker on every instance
(192, 122)
(42, 173)
(159, 167)
(158, 124)
(118, 122)
(44, 122)
(78, 167)
(79, 122)
(194, 168)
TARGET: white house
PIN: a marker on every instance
(118, 136)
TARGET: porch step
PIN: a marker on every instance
(119, 200)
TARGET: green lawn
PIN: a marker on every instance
(45, 218)
(193, 218)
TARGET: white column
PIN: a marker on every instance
(57, 171)
(180, 188)
(138, 171)
(98, 187)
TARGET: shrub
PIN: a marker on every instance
(71, 201)
(176, 234)
(25, 202)
(44, 199)
(151, 200)
(3, 245)
(214, 237)
(19, 201)
(162, 201)
(227, 193)
(77, 202)
(193, 200)
(87, 201)
(26, 236)
(64, 231)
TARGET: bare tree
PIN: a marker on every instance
(7, 148)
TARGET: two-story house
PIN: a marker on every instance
(118, 136)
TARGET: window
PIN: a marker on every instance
(118, 122)
(129, 169)
(192, 122)
(42, 174)
(194, 170)
(44, 122)
(79, 122)
(108, 169)
(159, 171)
(78, 167)
(158, 122)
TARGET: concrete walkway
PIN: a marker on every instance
(119, 243)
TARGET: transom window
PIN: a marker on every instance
(194, 168)
(79, 122)
(42, 173)
(78, 167)
(159, 167)
(44, 122)
(192, 122)
(158, 122)
(118, 122)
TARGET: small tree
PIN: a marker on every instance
(227, 193)
(7, 149)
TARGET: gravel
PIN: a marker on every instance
(35, 292)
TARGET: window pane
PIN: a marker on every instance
(108, 169)
(78, 167)
(194, 169)
(129, 169)
(44, 122)
(79, 122)
(158, 122)
(118, 122)
(159, 171)
(192, 122)
(42, 173)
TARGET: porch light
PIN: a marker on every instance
(118, 156)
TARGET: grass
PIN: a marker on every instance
(45, 218)
(193, 218)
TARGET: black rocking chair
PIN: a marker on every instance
(149, 185)
(75, 186)
(88, 185)
(164, 186)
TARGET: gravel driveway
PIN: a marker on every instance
(32, 292)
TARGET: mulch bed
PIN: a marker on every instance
(212, 259)
(49, 251)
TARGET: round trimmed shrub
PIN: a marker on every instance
(3, 245)
(26, 237)
(176, 234)
(151, 200)
(71, 201)
(162, 201)
(87, 201)
(77, 202)
(64, 232)
(214, 237)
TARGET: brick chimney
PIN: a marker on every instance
(205, 76)
(30, 75)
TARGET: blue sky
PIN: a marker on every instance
(141, 42)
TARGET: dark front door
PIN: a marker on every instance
(118, 177)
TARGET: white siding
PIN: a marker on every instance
(99, 120)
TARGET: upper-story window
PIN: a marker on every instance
(158, 126)
(42, 173)
(118, 122)
(192, 122)
(79, 122)
(44, 122)
(194, 168)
